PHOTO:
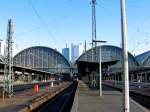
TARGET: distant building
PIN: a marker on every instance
(65, 53)
(74, 52)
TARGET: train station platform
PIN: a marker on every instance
(28, 100)
(137, 87)
(87, 100)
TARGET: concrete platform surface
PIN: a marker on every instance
(24, 98)
(87, 100)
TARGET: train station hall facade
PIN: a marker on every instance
(139, 67)
(50, 60)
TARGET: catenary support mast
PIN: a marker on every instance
(93, 29)
(8, 70)
(125, 59)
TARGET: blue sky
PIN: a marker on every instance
(69, 21)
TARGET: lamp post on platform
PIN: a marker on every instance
(100, 67)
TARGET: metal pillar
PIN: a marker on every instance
(94, 29)
(125, 59)
(8, 70)
(117, 78)
(137, 77)
(92, 53)
(86, 55)
(145, 77)
(100, 73)
(45, 78)
(141, 77)
(29, 78)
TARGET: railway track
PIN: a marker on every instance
(62, 102)
(142, 99)
(22, 87)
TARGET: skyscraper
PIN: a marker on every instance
(65, 53)
(74, 52)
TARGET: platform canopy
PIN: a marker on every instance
(85, 67)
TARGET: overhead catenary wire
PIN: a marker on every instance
(42, 21)
(29, 31)
(37, 28)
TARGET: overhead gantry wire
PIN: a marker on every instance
(37, 28)
(32, 30)
(41, 20)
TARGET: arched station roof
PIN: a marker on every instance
(42, 58)
(144, 58)
(109, 53)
